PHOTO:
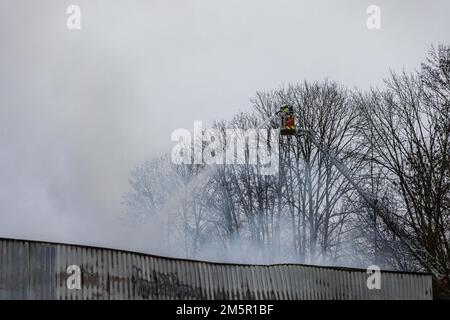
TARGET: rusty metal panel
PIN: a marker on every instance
(38, 270)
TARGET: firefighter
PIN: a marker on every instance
(287, 120)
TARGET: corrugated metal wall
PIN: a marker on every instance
(38, 270)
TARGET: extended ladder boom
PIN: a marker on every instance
(379, 208)
(288, 128)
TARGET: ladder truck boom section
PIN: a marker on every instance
(288, 127)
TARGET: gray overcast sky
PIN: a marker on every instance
(79, 109)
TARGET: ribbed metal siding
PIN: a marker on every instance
(37, 270)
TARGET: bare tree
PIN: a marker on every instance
(407, 129)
